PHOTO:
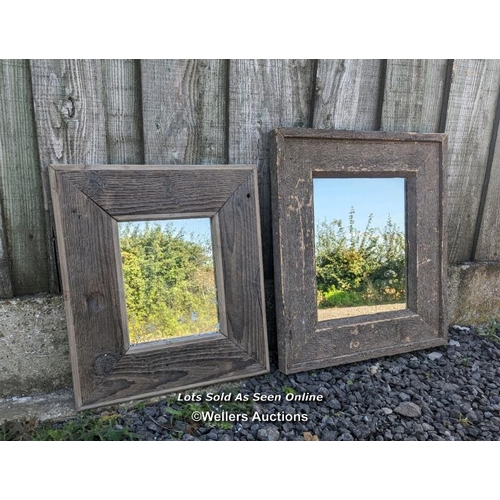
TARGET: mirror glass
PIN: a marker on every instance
(169, 278)
(360, 246)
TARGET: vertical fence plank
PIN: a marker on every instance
(471, 113)
(122, 106)
(413, 95)
(488, 241)
(347, 93)
(5, 279)
(184, 111)
(21, 182)
(263, 95)
(70, 121)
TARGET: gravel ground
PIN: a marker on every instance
(450, 393)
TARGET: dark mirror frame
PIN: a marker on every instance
(298, 156)
(89, 201)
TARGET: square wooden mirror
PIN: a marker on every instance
(345, 292)
(150, 307)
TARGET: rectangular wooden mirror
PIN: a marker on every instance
(301, 159)
(90, 203)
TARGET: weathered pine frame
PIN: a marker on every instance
(298, 156)
(89, 201)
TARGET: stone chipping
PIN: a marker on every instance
(417, 396)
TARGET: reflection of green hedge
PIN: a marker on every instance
(169, 283)
(360, 267)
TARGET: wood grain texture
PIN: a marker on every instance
(175, 367)
(121, 286)
(376, 136)
(298, 157)
(294, 260)
(70, 122)
(411, 241)
(5, 279)
(372, 336)
(21, 182)
(488, 244)
(413, 95)
(125, 191)
(471, 109)
(347, 93)
(91, 288)
(105, 368)
(355, 158)
(219, 275)
(430, 240)
(184, 111)
(122, 106)
(241, 255)
(265, 94)
(485, 247)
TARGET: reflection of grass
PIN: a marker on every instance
(341, 298)
(169, 283)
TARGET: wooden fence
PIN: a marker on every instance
(219, 112)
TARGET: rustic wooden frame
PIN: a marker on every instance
(298, 156)
(88, 203)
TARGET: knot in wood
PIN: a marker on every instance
(104, 364)
(95, 302)
(95, 185)
(68, 107)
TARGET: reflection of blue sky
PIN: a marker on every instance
(333, 198)
(193, 229)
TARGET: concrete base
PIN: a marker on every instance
(57, 405)
(473, 293)
(34, 350)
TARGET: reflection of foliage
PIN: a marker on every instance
(169, 283)
(360, 267)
